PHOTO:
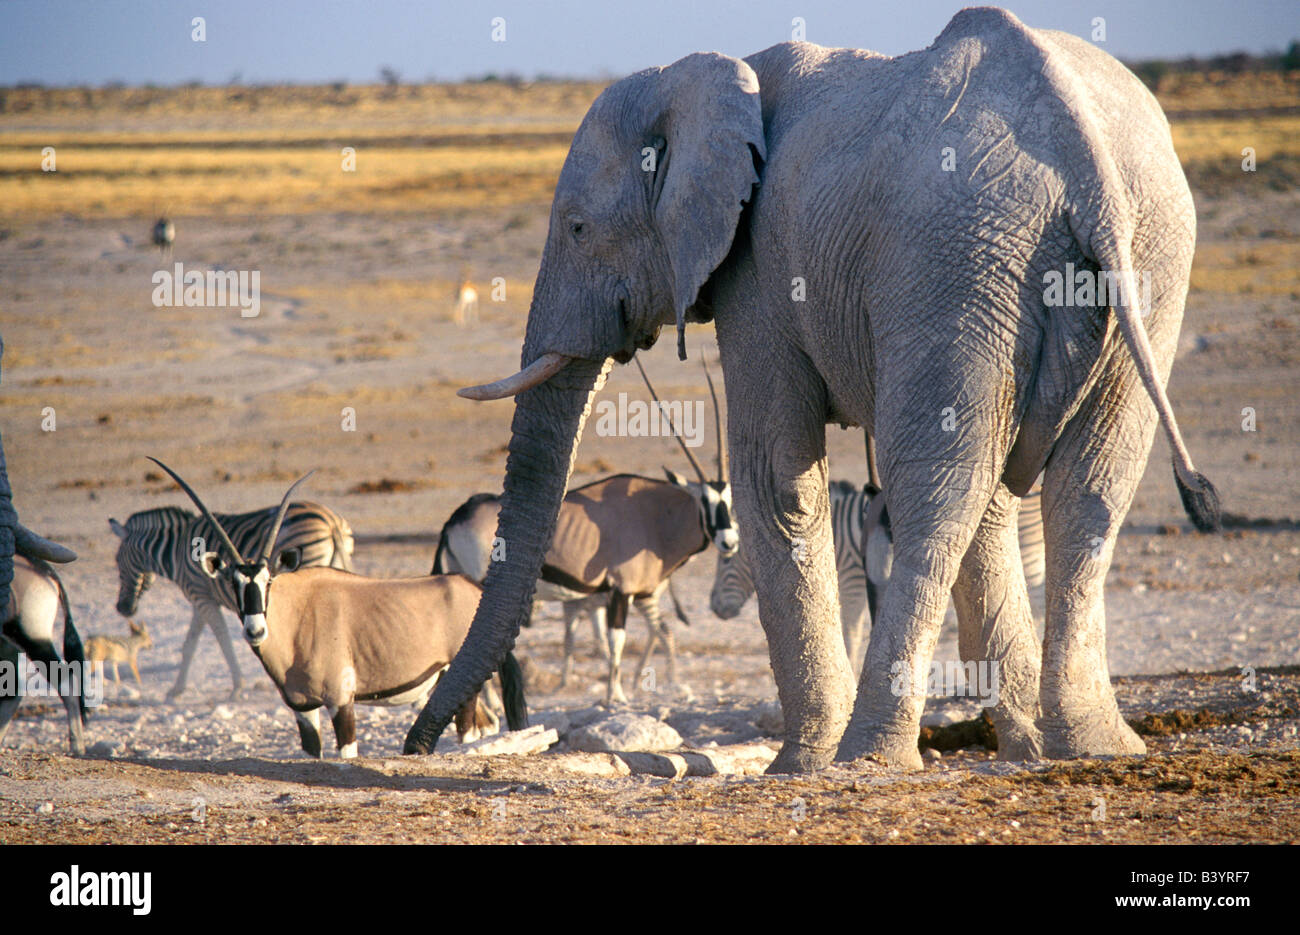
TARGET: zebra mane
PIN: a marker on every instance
(147, 520)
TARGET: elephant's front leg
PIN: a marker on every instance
(781, 496)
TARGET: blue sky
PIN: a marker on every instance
(308, 41)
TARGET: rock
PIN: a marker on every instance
(598, 765)
(238, 737)
(741, 759)
(45, 808)
(584, 716)
(768, 719)
(931, 754)
(557, 721)
(223, 712)
(537, 681)
(667, 765)
(625, 733)
(107, 748)
(530, 740)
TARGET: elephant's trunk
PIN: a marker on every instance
(545, 433)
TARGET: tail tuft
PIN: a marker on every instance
(1201, 503)
(512, 693)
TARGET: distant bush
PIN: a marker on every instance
(1152, 71)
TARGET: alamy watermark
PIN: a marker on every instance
(212, 288)
(948, 680)
(639, 418)
(1087, 288)
(53, 680)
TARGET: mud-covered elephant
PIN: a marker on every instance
(880, 242)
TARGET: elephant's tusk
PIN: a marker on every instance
(29, 543)
(539, 371)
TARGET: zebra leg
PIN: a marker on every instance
(197, 622)
(617, 635)
(599, 630)
(571, 610)
(996, 628)
(345, 730)
(309, 731)
(658, 629)
(853, 619)
(217, 623)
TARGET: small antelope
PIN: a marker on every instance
(114, 649)
(333, 639)
(466, 313)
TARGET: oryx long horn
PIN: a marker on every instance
(203, 509)
(686, 451)
(279, 517)
(717, 421)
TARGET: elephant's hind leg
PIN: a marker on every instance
(943, 430)
(996, 628)
(1087, 490)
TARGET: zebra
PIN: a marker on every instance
(170, 541)
(860, 529)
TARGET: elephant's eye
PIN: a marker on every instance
(578, 228)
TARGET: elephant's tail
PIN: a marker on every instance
(1200, 499)
(1100, 213)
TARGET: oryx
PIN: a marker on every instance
(330, 638)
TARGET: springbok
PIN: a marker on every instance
(28, 619)
(333, 639)
(466, 313)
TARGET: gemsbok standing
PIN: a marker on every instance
(466, 545)
(331, 639)
(161, 541)
(27, 621)
(617, 541)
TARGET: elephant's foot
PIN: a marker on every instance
(1019, 738)
(1099, 733)
(796, 757)
(897, 750)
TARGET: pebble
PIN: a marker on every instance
(45, 808)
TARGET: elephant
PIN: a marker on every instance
(875, 240)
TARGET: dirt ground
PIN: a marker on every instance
(1204, 631)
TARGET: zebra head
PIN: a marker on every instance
(732, 586)
(133, 564)
(250, 580)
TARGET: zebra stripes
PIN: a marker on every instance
(863, 543)
(733, 583)
(162, 542)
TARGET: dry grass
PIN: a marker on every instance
(432, 149)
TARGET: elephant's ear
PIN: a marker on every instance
(712, 122)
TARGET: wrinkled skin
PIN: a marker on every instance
(922, 318)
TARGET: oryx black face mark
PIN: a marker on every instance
(715, 497)
(252, 584)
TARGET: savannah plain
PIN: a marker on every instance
(359, 273)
